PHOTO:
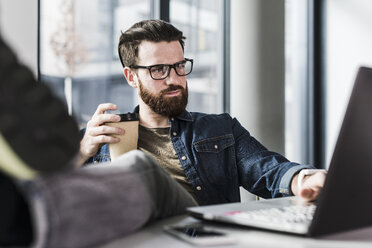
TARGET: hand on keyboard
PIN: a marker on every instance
(310, 185)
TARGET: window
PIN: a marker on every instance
(78, 51)
(296, 81)
(344, 40)
(202, 22)
(348, 25)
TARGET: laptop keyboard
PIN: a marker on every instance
(290, 214)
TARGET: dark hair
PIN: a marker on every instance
(149, 30)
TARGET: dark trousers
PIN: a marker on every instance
(15, 220)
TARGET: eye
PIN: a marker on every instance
(159, 69)
(181, 65)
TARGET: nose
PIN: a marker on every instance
(174, 79)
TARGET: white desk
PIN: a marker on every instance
(154, 237)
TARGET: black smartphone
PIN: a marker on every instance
(200, 235)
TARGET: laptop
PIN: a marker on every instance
(344, 203)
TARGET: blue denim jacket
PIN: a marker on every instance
(218, 155)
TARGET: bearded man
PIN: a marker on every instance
(209, 155)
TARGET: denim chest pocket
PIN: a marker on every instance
(216, 158)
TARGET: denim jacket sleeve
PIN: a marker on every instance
(262, 172)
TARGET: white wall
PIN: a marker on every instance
(18, 26)
(257, 70)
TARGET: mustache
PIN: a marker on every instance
(172, 88)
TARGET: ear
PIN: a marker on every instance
(131, 77)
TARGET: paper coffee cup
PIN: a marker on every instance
(128, 141)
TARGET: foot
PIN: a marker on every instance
(36, 133)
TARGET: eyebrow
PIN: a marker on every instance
(163, 64)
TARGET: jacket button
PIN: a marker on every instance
(174, 133)
(172, 119)
(216, 147)
(198, 188)
(184, 158)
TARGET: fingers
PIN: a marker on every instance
(105, 130)
(307, 193)
(97, 133)
(103, 139)
(100, 117)
(312, 186)
(316, 180)
(103, 107)
(310, 194)
(96, 127)
(89, 145)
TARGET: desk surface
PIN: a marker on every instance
(153, 236)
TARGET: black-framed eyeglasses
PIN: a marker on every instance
(161, 71)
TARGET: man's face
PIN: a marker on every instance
(169, 96)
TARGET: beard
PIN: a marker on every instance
(162, 105)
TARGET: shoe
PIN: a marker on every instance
(36, 133)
